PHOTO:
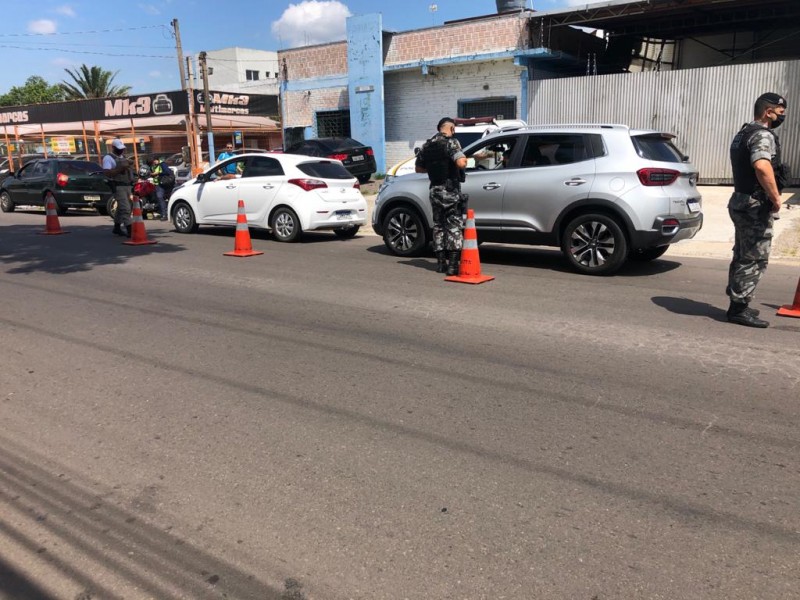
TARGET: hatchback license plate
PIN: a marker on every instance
(694, 206)
(343, 215)
(92, 198)
(357, 158)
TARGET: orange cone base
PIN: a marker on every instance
(789, 311)
(242, 253)
(475, 279)
(143, 242)
(59, 232)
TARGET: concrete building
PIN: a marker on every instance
(243, 70)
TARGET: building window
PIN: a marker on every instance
(499, 108)
(251, 75)
(333, 123)
(292, 135)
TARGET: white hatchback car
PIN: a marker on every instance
(285, 193)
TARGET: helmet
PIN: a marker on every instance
(144, 171)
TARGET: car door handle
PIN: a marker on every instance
(491, 186)
(230, 187)
(575, 181)
(267, 187)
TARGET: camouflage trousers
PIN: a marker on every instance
(448, 222)
(752, 221)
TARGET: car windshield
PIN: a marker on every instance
(657, 148)
(324, 170)
(78, 167)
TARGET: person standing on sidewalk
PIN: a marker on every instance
(118, 169)
(442, 159)
(758, 178)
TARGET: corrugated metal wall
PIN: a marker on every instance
(703, 107)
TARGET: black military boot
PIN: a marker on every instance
(752, 311)
(441, 261)
(452, 262)
(739, 313)
(117, 230)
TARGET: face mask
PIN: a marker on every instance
(778, 121)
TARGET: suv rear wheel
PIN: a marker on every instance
(404, 232)
(594, 244)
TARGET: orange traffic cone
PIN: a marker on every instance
(138, 233)
(469, 270)
(794, 309)
(51, 225)
(242, 245)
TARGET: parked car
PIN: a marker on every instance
(355, 156)
(287, 194)
(603, 193)
(72, 183)
(467, 132)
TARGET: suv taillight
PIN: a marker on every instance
(62, 179)
(309, 184)
(652, 177)
(337, 156)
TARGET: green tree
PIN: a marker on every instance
(92, 82)
(35, 91)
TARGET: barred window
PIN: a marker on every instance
(499, 108)
(333, 123)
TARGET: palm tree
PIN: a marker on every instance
(92, 82)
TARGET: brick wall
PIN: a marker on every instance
(493, 34)
(326, 60)
(299, 107)
(416, 102)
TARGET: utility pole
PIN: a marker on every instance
(191, 123)
(212, 158)
(177, 31)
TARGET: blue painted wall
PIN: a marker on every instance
(365, 71)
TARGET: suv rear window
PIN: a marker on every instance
(324, 170)
(78, 167)
(657, 148)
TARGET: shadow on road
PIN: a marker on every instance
(534, 258)
(691, 308)
(24, 250)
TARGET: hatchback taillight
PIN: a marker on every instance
(62, 179)
(337, 156)
(357, 185)
(309, 184)
(653, 177)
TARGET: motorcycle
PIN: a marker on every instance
(145, 190)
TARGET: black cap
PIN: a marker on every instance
(772, 98)
(444, 120)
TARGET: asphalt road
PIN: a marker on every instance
(326, 421)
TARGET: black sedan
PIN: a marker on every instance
(357, 158)
(72, 183)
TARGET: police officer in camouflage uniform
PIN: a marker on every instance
(758, 177)
(442, 159)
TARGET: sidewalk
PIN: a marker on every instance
(715, 239)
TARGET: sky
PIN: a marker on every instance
(135, 38)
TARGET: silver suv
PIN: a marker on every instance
(603, 193)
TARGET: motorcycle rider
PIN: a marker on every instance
(164, 180)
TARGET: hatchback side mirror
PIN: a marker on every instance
(201, 178)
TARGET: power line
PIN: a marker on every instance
(83, 32)
(94, 45)
(86, 52)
